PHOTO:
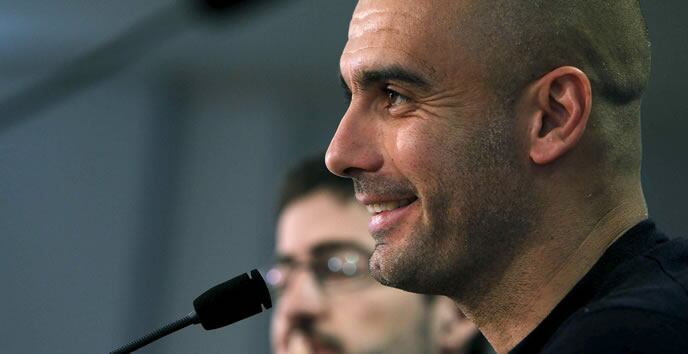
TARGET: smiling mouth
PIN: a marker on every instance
(377, 208)
(318, 343)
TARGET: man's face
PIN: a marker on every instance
(328, 302)
(431, 150)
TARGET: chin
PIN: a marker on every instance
(380, 268)
(394, 270)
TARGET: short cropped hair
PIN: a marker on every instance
(309, 176)
(522, 40)
(518, 41)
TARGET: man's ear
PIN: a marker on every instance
(562, 100)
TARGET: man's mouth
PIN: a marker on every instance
(314, 344)
(323, 348)
(388, 213)
(377, 208)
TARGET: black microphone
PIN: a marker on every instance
(234, 300)
(223, 7)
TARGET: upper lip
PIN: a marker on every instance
(373, 199)
(322, 343)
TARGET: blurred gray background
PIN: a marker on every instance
(121, 203)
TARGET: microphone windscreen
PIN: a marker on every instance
(232, 301)
(221, 7)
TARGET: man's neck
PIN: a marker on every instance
(545, 273)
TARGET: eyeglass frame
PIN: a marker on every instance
(354, 282)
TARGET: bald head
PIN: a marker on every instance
(520, 41)
(490, 139)
(517, 42)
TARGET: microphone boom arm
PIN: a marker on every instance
(234, 300)
(184, 322)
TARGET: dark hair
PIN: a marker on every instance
(309, 176)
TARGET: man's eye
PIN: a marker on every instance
(395, 98)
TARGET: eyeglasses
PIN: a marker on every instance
(335, 268)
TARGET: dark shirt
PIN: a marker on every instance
(633, 300)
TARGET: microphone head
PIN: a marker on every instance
(238, 298)
(221, 7)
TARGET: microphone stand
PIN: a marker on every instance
(184, 322)
(234, 300)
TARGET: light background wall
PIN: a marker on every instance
(121, 203)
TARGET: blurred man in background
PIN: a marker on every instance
(497, 144)
(328, 302)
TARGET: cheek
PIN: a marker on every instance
(424, 154)
(278, 329)
(414, 149)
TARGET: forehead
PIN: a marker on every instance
(318, 218)
(414, 33)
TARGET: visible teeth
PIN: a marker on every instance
(387, 206)
(405, 202)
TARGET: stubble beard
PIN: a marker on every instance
(473, 224)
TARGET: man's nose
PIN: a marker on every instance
(303, 299)
(355, 146)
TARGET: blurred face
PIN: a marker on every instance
(430, 149)
(452, 332)
(328, 302)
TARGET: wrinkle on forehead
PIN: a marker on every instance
(376, 20)
(421, 31)
(362, 14)
(403, 16)
(357, 67)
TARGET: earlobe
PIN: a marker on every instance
(563, 100)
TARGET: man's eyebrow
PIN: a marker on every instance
(324, 247)
(283, 259)
(331, 246)
(368, 78)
